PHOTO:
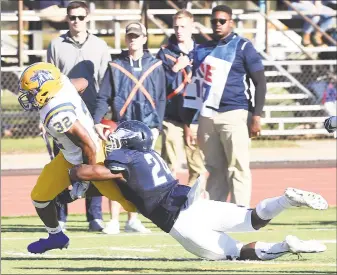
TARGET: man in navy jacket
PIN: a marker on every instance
(178, 133)
(134, 87)
(228, 117)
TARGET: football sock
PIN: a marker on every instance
(54, 230)
(270, 208)
(269, 251)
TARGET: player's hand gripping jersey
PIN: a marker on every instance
(59, 115)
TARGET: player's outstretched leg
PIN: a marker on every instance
(56, 239)
(203, 234)
(269, 251)
(270, 208)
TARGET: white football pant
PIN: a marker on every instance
(201, 225)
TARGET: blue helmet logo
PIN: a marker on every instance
(41, 77)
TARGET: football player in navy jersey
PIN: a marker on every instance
(177, 209)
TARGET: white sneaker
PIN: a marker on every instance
(298, 246)
(298, 198)
(135, 225)
(112, 227)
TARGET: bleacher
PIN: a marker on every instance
(291, 108)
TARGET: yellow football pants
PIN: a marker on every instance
(54, 179)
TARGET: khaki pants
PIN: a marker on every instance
(174, 147)
(155, 133)
(225, 142)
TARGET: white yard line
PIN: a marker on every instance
(147, 234)
(71, 256)
(281, 263)
(93, 256)
(130, 248)
(92, 236)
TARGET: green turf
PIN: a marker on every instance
(23, 145)
(158, 253)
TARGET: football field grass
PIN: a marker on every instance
(158, 253)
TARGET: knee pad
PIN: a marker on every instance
(41, 204)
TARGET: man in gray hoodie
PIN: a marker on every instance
(81, 54)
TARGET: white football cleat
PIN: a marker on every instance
(298, 246)
(299, 197)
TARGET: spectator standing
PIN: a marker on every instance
(178, 133)
(134, 87)
(324, 20)
(224, 67)
(81, 54)
(51, 10)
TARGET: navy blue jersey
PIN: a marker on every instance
(149, 185)
(222, 70)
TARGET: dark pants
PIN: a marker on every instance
(93, 205)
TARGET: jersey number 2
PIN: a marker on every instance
(159, 165)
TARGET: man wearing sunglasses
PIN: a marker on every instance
(229, 113)
(81, 54)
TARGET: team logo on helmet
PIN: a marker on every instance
(41, 77)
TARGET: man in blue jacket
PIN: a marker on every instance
(134, 88)
(178, 133)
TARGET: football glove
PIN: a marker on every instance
(79, 189)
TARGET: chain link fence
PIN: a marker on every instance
(15, 122)
(300, 96)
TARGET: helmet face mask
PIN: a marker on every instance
(122, 138)
(27, 100)
(134, 135)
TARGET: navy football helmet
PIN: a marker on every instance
(132, 134)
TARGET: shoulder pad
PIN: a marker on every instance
(118, 156)
(61, 118)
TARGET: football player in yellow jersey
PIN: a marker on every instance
(66, 118)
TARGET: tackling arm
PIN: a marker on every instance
(92, 173)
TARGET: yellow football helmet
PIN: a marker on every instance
(38, 84)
